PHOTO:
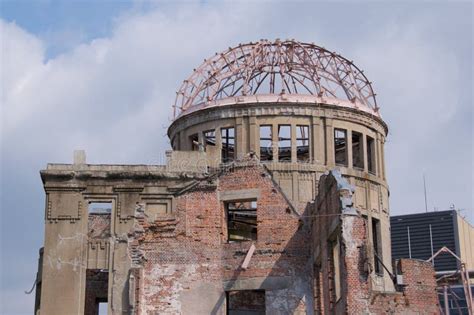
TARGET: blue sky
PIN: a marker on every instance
(102, 75)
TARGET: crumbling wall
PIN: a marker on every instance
(335, 217)
(188, 265)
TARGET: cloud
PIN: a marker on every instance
(112, 96)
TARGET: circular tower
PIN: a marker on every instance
(301, 110)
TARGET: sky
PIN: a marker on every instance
(102, 76)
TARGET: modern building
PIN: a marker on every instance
(422, 235)
(274, 200)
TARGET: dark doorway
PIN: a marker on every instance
(246, 302)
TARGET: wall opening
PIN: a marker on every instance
(335, 268)
(209, 138)
(228, 144)
(246, 302)
(266, 147)
(371, 154)
(97, 281)
(194, 140)
(377, 246)
(302, 143)
(284, 143)
(98, 224)
(340, 146)
(357, 151)
(103, 308)
(241, 220)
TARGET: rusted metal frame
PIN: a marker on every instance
(216, 70)
(227, 77)
(335, 74)
(241, 64)
(327, 89)
(233, 67)
(313, 68)
(258, 81)
(234, 72)
(248, 73)
(258, 85)
(353, 79)
(190, 84)
(235, 93)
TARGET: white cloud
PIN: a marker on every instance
(112, 96)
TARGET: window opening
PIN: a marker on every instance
(376, 243)
(371, 154)
(98, 223)
(210, 138)
(194, 142)
(266, 149)
(228, 144)
(357, 150)
(335, 266)
(340, 146)
(241, 220)
(302, 143)
(284, 143)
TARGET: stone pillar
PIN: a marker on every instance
(275, 142)
(240, 138)
(293, 143)
(382, 152)
(329, 147)
(366, 158)
(378, 155)
(183, 143)
(254, 135)
(317, 140)
(349, 148)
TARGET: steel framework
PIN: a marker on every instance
(279, 67)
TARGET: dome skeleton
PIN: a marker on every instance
(280, 67)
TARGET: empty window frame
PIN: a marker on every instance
(228, 144)
(371, 154)
(245, 302)
(357, 150)
(340, 146)
(98, 223)
(377, 246)
(335, 265)
(194, 139)
(284, 143)
(302, 143)
(266, 147)
(209, 138)
(241, 220)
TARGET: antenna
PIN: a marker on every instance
(424, 186)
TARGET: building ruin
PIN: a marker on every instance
(274, 200)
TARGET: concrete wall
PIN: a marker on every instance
(466, 242)
(71, 248)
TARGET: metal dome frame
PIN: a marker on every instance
(275, 68)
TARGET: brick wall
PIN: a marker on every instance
(188, 263)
